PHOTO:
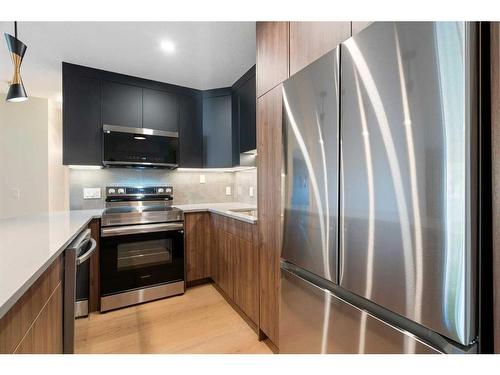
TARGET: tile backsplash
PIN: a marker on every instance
(187, 186)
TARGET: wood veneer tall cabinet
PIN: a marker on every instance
(283, 48)
(311, 40)
(269, 149)
(272, 55)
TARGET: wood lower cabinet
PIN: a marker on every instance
(197, 245)
(272, 55)
(45, 335)
(234, 258)
(311, 40)
(224, 259)
(34, 324)
(246, 275)
(237, 261)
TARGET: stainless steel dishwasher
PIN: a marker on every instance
(76, 285)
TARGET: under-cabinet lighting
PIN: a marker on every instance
(220, 170)
(85, 167)
(250, 152)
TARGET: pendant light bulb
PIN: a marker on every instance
(17, 49)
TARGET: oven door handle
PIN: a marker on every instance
(141, 228)
(88, 253)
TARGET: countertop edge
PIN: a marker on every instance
(249, 220)
(7, 305)
(245, 218)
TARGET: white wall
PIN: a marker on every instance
(58, 174)
(29, 162)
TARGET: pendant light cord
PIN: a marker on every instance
(15, 29)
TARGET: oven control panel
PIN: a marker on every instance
(123, 191)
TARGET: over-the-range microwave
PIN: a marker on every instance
(140, 147)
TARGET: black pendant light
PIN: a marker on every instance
(17, 49)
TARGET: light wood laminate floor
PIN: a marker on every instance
(200, 321)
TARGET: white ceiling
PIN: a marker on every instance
(208, 54)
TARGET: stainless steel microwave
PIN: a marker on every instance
(140, 147)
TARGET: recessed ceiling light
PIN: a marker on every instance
(167, 46)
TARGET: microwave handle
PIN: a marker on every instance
(136, 229)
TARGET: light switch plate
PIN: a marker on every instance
(91, 193)
(250, 191)
(228, 190)
(202, 179)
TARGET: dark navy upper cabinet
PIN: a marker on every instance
(244, 110)
(190, 131)
(121, 104)
(214, 126)
(217, 129)
(160, 110)
(82, 131)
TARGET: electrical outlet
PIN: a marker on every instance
(228, 190)
(250, 191)
(91, 193)
(202, 179)
(15, 193)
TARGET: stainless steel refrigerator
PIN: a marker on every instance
(379, 187)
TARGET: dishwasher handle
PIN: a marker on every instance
(82, 258)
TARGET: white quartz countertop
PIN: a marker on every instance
(29, 244)
(222, 209)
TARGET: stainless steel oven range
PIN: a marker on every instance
(142, 246)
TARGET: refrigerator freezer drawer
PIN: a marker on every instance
(407, 172)
(313, 320)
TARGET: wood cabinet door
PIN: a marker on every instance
(45, 335)
(311, 40)
(269, 148)
(357, 26)
(161, 110)
(225, 262)
(121, 104)
(197, 244)
(246, 278)
(272, 55)
(82, 129)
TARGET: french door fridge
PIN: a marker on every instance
(379, 250)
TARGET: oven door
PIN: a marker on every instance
(139, 256)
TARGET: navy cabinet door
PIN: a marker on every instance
(246, 115)
(161, 110)
(82, 134)
(190, 132)
(217, 132)
(121, 104)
